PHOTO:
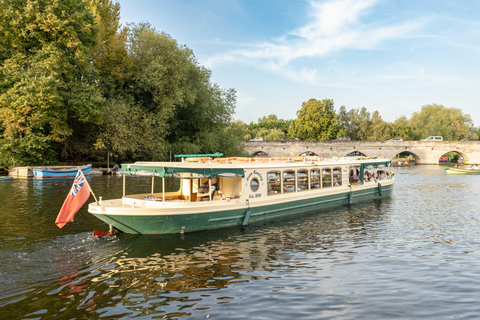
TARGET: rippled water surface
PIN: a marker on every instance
(410, 256)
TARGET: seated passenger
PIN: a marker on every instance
(365, 176)
(357, 175)
(370, 177)
(381, 175)
(205, 190)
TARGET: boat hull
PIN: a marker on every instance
(60, 172)
(157, 221)
(456, 171)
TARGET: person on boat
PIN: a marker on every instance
(381, 175)
(474, 167)
(369, 177)
(206, 189)
(351, 176)
(455, 166)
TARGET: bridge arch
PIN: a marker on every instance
(461, 154)
(308, 154)
(355, 153)
(408, 154)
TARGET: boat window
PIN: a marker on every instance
(326, 178)
(254, 184)
(368, 173)
(314, 178)
(354, 174)
(302, 180)
(273, 182)
(337, 177)
(288, 181)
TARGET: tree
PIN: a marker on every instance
(46, 78)
(270, 128)
(437, 120)
(173, 104)
(317, 120)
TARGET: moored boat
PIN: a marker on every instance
(251, 191)
(460, 171)
(60, 171)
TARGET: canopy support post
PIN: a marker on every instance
(153, 183)
(210, 188)
(163, 189)
(124, 184)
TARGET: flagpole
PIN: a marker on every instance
(88, 185)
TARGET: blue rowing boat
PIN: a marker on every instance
(60, 172)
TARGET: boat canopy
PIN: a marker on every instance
(165, 171)
(216, 154)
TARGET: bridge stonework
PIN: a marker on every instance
(424, 152)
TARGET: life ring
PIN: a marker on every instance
(298, 158)
(262, 159)
(281, 158)
(224, 159)
(244, 159)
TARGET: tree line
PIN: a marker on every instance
(318, 120)
(75, 85)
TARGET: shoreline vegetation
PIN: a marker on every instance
(79, 87)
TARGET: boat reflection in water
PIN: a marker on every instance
(177, 275)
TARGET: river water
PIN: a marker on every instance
(410, 256)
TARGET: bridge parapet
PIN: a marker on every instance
(425, 152)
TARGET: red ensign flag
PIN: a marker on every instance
(77, 196)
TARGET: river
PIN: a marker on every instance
(409, 256)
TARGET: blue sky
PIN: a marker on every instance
(392, 56)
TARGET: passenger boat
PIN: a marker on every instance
(461, 171)
(255, 189)
(60, 171)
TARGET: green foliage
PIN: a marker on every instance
(437, 120)
(167, 103)
(270, 128)
(317, 120)
(46, 77)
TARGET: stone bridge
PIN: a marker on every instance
(424, 152)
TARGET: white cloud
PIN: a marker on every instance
(335, 25)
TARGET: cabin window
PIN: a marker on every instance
(302, 180)
(254, 184)
(337, 177)
(288, 181)
(326, 178)
(354, 174)
(273, 182)
(314, 178)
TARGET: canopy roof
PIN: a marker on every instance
(174, 171)
(216, 154)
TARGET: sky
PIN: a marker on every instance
(389, 56)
